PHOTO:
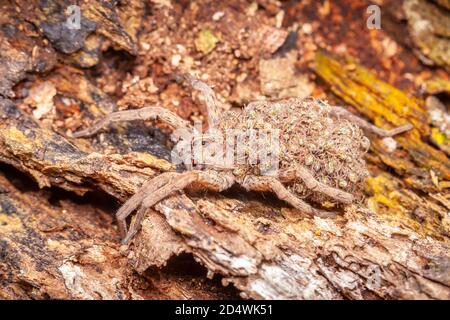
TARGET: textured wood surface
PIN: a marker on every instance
(58, 235)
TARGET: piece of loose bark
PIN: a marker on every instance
(268, 254)
(98, 17)
(26, 49)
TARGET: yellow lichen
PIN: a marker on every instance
(436, 85)
(10, 224)
(438, 137)
(206, 41)
(387, 106)
(399, 206)
(142, 160)
(15, 137)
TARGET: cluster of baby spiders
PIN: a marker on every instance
(320, 154)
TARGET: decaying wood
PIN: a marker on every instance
(98, 20)
(429, 24)
(423, 167)
(395, 244)
(21, 51)
(65, 249)
(265, 251)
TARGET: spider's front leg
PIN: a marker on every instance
(161, 187)
(147, 113)
(271, 184)
(341, 112)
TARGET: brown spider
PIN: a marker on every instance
(319, 153)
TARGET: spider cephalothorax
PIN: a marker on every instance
(306, 150)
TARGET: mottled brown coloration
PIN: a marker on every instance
(313, 144)
(62, 249)
(319, 156)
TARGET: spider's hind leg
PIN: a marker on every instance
(314, 185)
(341, 112)
(256, 183)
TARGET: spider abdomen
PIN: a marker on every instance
(331, 149)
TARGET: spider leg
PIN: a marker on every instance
(314, 185)
(166, 184)
(272, 184)
(341, 112)
(136, 200)
(135, 225)
(136, 114)
(210, 97)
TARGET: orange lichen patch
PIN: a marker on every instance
(385, 104)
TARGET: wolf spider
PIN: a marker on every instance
(321, 149)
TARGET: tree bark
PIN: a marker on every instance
(265, 250)
(58, 236)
